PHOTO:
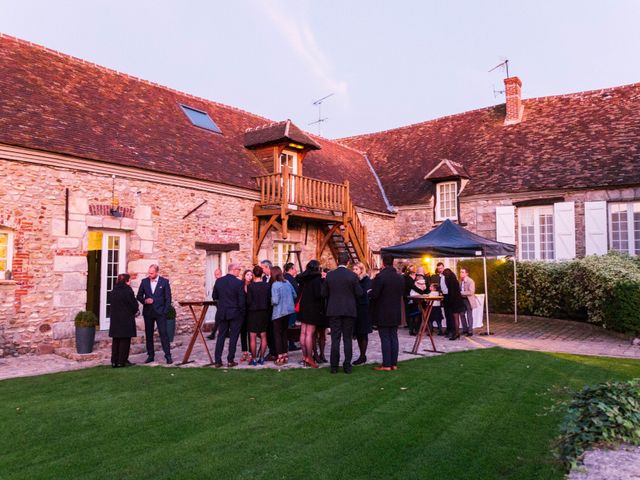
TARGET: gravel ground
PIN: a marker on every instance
(622, 463)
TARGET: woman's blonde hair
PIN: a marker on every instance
(363, 270)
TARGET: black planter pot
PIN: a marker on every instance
(85, 337)
(171, 329)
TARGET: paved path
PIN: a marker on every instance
(529, 333)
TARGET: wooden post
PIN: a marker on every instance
(285, 201)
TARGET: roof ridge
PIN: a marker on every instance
(488, 107)
(266, 125)
(126, 75)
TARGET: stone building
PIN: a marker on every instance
(104, 173)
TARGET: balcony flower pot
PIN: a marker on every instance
(86, 323)
(171, 323)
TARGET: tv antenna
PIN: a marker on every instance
(504, 65)
(497, 92)
(318, 103)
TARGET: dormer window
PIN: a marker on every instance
(200, 119)
(446, 201)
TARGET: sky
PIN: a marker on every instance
(387, 63)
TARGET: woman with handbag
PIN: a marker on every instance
(310, 309)
(283, 297)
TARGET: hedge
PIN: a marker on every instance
(603, 290)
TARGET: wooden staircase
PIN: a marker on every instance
(284, 195)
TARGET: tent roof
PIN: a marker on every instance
(450, 240)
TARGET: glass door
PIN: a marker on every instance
(112, 262)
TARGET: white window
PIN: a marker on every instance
(536, 233)
(446, 201)
(6, 251)
(624, 227)
(281, 253)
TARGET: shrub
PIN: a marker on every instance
(86, 319)
(604, 414)
(604, 290)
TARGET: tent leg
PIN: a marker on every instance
(486, 295)
(515, 292)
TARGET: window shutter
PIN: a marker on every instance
(564, 230)
(595, 228)
(506, 224)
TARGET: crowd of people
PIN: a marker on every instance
(262, 304)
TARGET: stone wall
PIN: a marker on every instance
(50, 267)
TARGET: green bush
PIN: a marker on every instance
(604, 414)
(604, 290)
(86, 319)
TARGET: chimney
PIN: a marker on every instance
(515, 108)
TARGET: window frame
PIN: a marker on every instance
(215, 129)
(10, 253)
(536, 213)
(633, 236)
(439, 187)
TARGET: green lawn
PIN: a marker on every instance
(478, 415)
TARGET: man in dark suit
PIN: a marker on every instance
(340, 288)
(155, 295)
(229, 292)
(387, 297)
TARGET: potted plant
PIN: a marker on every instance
(171, 322)
(86, 323)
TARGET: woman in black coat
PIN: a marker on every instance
(363, 320)
(311, 309)
(124, 307)
(454, 301)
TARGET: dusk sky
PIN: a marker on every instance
(388, 63)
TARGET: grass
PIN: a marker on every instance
(478, 415)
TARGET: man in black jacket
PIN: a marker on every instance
(340, 288)
(229, 292)
(155, 296)
(387, 291)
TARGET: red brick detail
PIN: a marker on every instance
(513, 93)
(105, 210)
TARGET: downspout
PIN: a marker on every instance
(390, 207)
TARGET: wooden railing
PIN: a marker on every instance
(285, 190)
(301, 191)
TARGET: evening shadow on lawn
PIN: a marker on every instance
(474, 414)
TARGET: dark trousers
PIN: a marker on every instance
(244, 336)
(120, 350)
(436, 317)
(448, 315)
(151, 320)
(280, 327)
(341, 327)
(466, 317)
(270, 338)
(233, 327)
(389, 344)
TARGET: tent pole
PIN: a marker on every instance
(515, 292)
(486, 293)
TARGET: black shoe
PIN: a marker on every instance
(169, 359)
(149, 360)
(211, 336)
(114, 365)
(128, 364)
(347, 369)
(440, 333)
(360, 360)
(470, 334)
(294, 348)
(334, 370)
(455, 337)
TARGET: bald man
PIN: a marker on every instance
(229, 293)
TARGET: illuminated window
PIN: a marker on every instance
(281, 253)
(446, 201)
(6, 251)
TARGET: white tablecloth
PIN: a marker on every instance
(478, 313)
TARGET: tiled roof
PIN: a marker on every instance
(582, 140)
(276, 133)
(54, 102)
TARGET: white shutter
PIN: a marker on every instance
(564, 230)
(595, 228)
(506, 224)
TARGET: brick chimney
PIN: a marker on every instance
(515, 108)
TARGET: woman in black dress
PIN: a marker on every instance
(258, 314)
(320, 338)
(363, 321)
(454, 301)
(124, 307)
(311, 306)
(247, 279)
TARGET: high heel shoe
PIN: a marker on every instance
(311, 362)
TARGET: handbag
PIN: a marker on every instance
(297, 306)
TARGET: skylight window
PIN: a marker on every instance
(200, 119)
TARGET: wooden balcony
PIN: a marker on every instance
(284, 195)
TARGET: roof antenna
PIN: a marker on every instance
(504, 64)
(318, 103)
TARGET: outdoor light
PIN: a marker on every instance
(114, 201)
(296, 145)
